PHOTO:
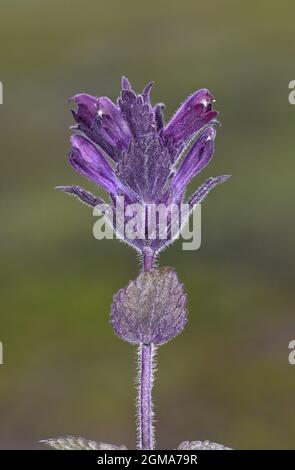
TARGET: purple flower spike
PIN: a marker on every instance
(151, 309)
(152, 163)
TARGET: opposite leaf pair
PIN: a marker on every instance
(78, 443)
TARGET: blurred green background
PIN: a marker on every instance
(227, 377)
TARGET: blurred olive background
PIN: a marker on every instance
(227, 377)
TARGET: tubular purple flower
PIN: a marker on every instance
(86, 110)
(193, 114)
(196, 159)
(100, 120)
(113, 125)
(89, 162)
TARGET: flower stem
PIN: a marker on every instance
(148, 261)
(145, 412)
(145, 381)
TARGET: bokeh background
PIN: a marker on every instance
(227, 377)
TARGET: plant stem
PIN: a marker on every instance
(145, 412)
(145, 381)
(148, 261)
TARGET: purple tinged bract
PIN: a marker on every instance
(151, 309)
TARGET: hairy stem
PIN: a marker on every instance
(148, 261)
(145, 381)
(145, 406)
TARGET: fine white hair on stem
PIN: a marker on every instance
(143, 401)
